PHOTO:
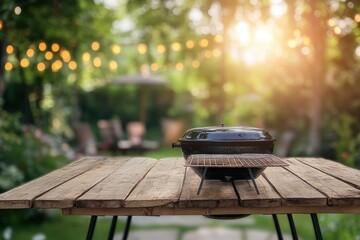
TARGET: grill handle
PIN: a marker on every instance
(176, 145)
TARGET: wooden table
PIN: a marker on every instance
(123, 186)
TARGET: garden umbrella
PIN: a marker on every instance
(144, 82)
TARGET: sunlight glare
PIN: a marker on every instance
(241, 33)
(263, 35)
(278, 8)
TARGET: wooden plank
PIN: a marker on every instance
(335, 169)
(268, 197)
(214, 193)
(158, 211)
(161, 186)
(338, 192)
(292, 189)
(64, 195)
(112, 191)
(22, 196)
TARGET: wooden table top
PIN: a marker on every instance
(146, 186)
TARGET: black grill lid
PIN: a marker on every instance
(227, 134)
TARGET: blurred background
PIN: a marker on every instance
(122, 77)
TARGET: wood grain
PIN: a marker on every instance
(268, 197)
(292, 189)
(214, 193)
(338, 192)
(64, 195)
(335, 169)
(112, 191)
(161, 186)
(22, 196)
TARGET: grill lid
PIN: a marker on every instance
(231, 134)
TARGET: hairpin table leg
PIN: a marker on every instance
(202, 180)
(91, 227)
(316, 225)
(112, 228)
(277, 227)
(127, 228)
(292, 227)
(253, 180)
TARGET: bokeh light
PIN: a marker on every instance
(8, 66)
(55, 47)
(176, 46)
(95, 46)
(41, 66)
(49, 55)
(142, 48)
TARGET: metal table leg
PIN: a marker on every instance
(316, 225)
(253, 181)
(112, 228)
(91, 227)
(127, 228)
(202, 180)
(277, 227)
(292, 227)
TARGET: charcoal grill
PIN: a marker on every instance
(231, 167)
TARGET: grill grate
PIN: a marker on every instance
(234, 160)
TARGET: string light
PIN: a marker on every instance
(154, 67)
(42, 46)
(9, 49)
(41, 66)
(218, 38)
(8, 66)
(17, 10)
(72, 65)
(1, 24)
(357, 17)
(24, 62)
(113, 65)
(142, 48)
(116, 49)
(55, 47)
(97, 62)
(331, 22)
(95, 46)
(190, 44)
(337, 30)
(160, 48)
(65, 55)
(56, 66)
(204, 43)
(86, 57)
(30, 52)
(176, 46)
(49, 55)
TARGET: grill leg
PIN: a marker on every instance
(202, 180)
(316, 225)
(236, 191)
(292, 227)
(127, 228)
(277, 227)
(112, 228)
(253, 180)
(91, 227)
